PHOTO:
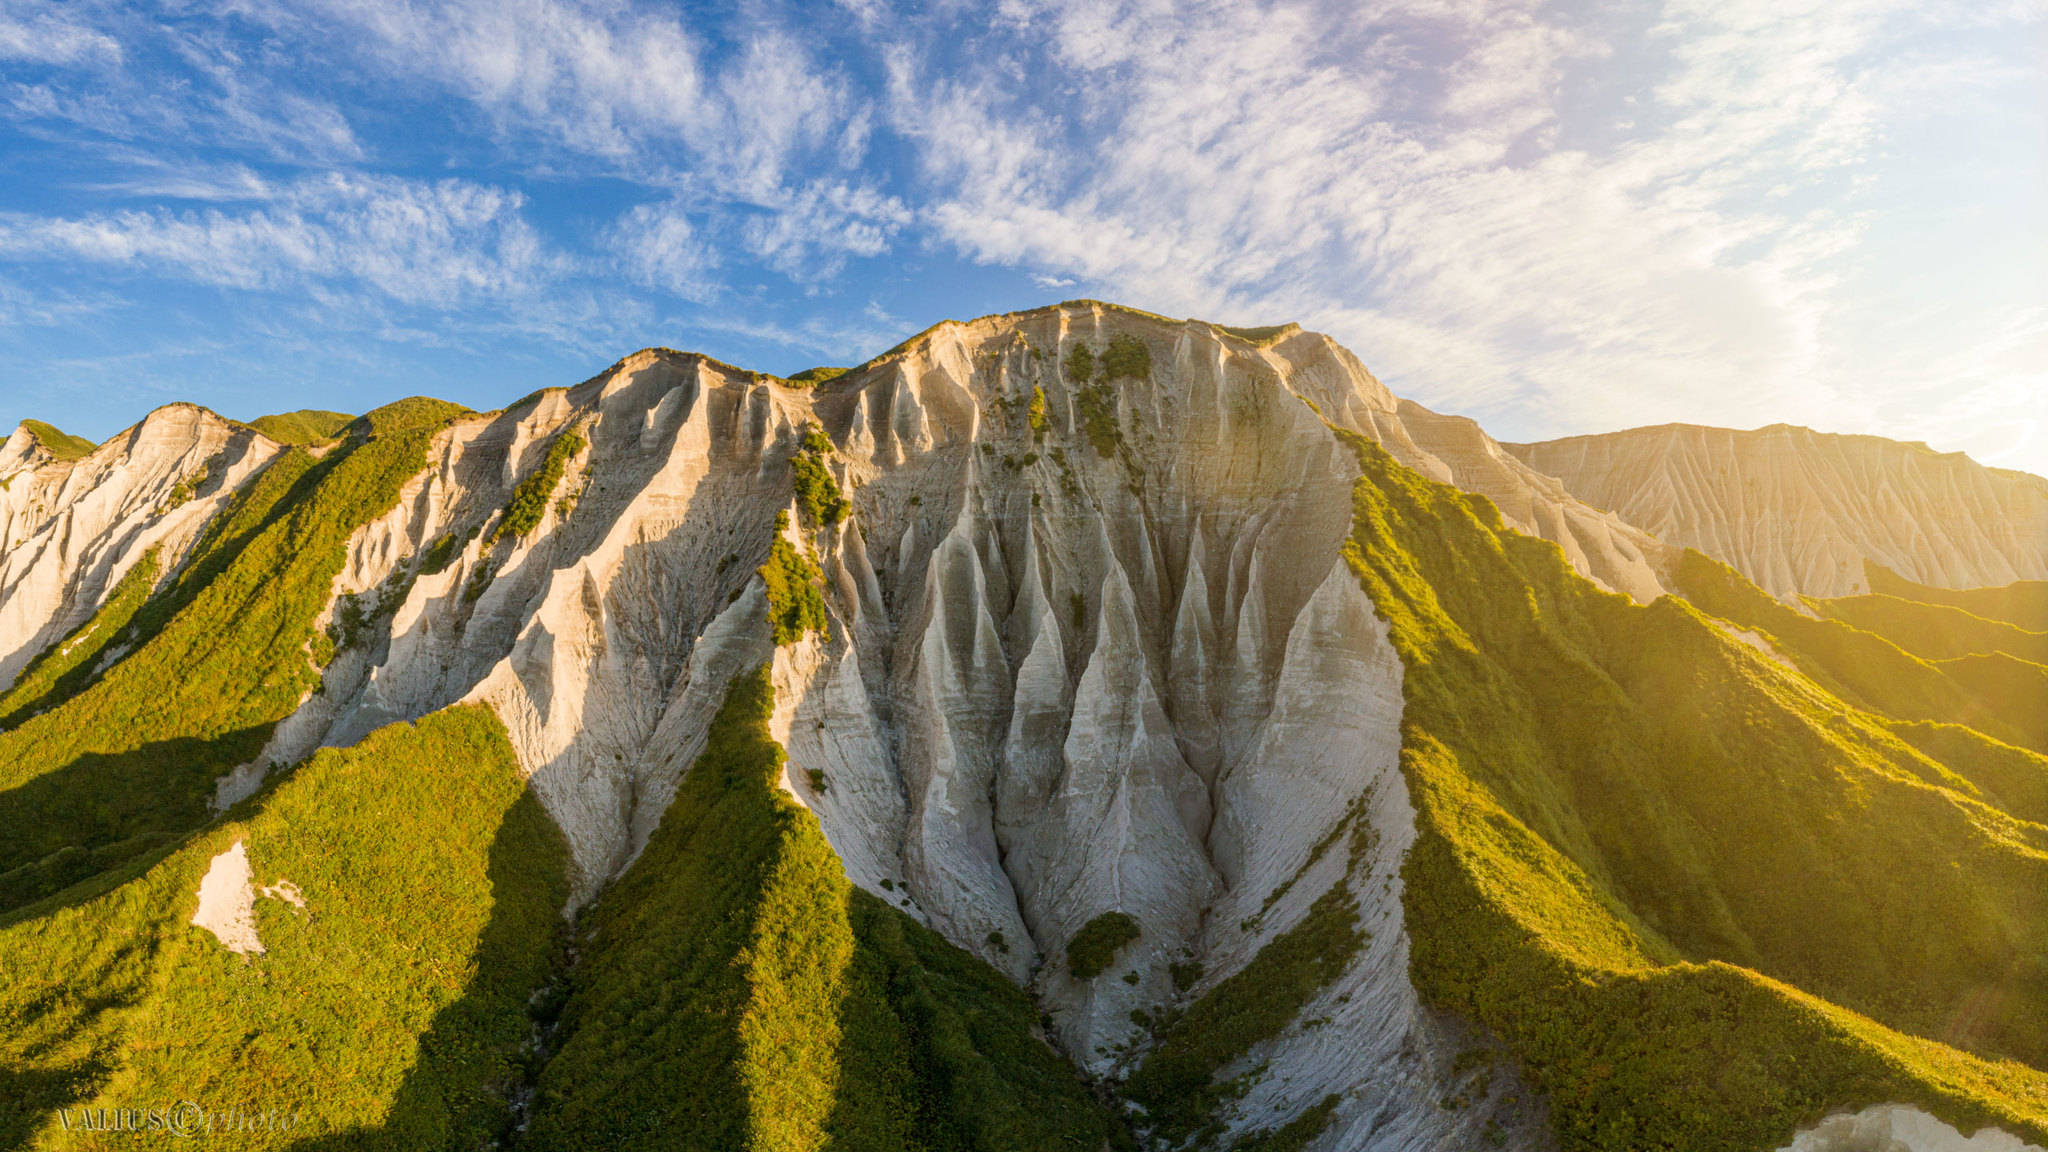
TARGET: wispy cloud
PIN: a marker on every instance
(434, 244)
(44, 33)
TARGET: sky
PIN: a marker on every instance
(1555, 217)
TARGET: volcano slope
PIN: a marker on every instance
(1071, 729)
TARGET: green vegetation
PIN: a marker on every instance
(1095, 946)
(389, 1012)
(1645, 853)
(1935, 631)
(812, 377)
(1296, 1133)
(441, 554)
(817, 493)
(1080, 364)
(795, 603)
(2023, 604)
(61, 670)
(1175, 1084)
(1040, 423)
(1126, 358)
(219, 656)
(1096, 405)
(305, 426)
(530, 498)
(1261, 337)
(736, 992)
(1872, 671)
(405, 415)
(60, 444)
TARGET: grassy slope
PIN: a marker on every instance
(1635, 834)
(222, 654)
(305, 426)
(1864, 667)
(383, 1013)
(735, 991)
(2023, 604)
(63, 445)
(1934, 631)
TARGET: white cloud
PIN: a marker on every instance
(437, 244)
(658, 248)
(40, 33)
(1558, 220)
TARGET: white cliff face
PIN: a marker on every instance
(70, 529)
(1798, 511)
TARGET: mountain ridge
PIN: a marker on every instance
(1080, 612)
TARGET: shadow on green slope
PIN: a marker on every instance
(215, 660)
(389, 1011)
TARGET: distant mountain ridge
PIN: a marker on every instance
(1072, 728)
(1800, 511)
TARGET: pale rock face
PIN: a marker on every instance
(1899, 1128)
(70, 529)
(227, 901)
(1798, 511)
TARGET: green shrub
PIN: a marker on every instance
(812, 377)
(2023, 604)
(1127, 357)
(441, 555)
(1095, 946)
(795, 603)
(1080, 364)
(1261, 337)
(1296, 1133)
(413, 412)
(1175, 1083)
(1934, 631)
(1861, 666)
(530, 498)
(817, 493)
(1040, 423)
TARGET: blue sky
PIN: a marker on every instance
(1554, 217)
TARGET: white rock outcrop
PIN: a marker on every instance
(227, 901)
(70, 529)
(1798, 511)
